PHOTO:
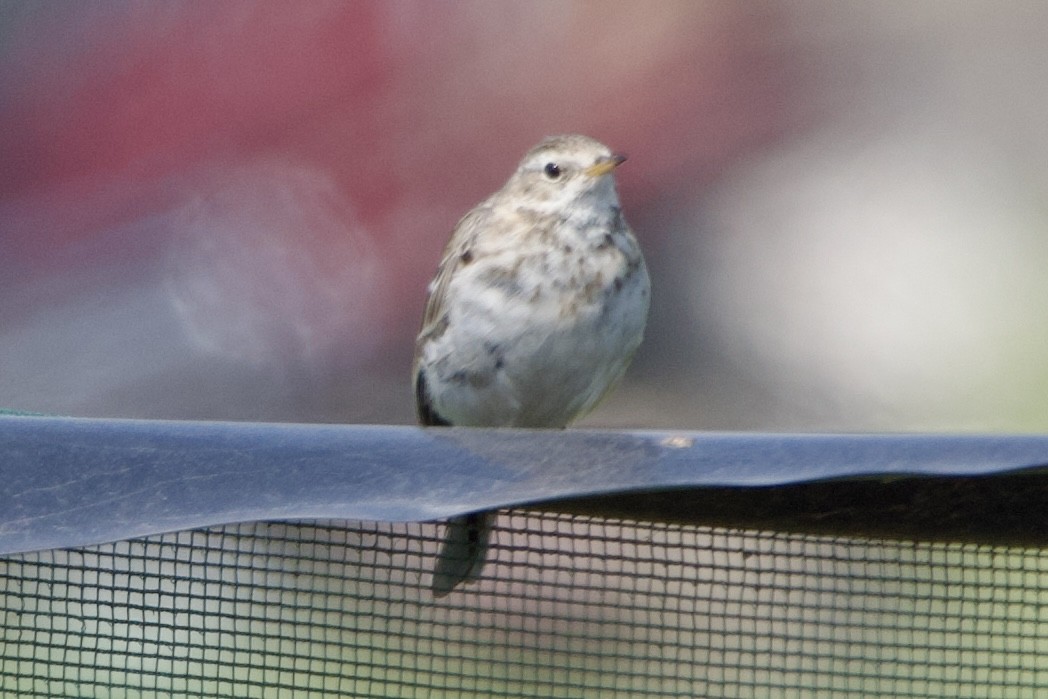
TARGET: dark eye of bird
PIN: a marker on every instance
(552, 170)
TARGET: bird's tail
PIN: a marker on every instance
(462, 553)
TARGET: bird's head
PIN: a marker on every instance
(565, 172)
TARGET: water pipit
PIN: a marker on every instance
(539, 303)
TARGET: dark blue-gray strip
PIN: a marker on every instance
(71, 482)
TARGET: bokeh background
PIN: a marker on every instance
(232, 210)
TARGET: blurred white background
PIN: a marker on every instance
(232, 211)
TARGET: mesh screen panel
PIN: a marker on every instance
(568, 606)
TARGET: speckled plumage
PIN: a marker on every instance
(540, 299)
(538, 305)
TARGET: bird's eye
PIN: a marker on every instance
(552, 171)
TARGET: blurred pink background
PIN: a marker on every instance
(231, 211)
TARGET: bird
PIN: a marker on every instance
(538, 305)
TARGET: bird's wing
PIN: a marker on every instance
(434, 319)
(456, 253)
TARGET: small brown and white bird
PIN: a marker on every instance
(539, 303)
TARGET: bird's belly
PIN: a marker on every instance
(535, 360)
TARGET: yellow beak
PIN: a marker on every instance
(605, 165)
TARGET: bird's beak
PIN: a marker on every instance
(605, 165)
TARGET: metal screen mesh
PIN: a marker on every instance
(568, 606)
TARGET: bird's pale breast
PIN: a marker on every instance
(539, 329)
